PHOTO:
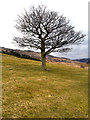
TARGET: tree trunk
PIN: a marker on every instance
(43, 59)
(43, 54)
(44, 63)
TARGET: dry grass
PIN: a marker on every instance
(29, 92)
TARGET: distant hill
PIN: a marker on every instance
(84, 60)
(28, 54)
(33, 55)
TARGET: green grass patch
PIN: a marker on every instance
(29, 92)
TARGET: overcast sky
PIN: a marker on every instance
(75, 10)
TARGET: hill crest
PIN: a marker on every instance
(37, 56)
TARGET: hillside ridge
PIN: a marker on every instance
(35, 55)
(28, 54)
(83, 60)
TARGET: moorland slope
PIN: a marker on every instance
(29, 92)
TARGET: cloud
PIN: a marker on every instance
(77, 52)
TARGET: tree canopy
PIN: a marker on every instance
(46, 30)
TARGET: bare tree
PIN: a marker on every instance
(46, 30)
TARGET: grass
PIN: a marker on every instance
(29, 92)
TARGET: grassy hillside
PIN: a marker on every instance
(29, 92)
